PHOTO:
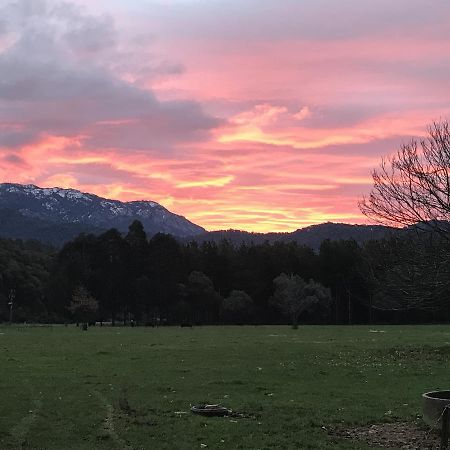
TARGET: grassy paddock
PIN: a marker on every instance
(131, 388)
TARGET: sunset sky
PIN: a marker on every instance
(262, 115)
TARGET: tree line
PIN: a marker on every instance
(402, 278)
(136, 280)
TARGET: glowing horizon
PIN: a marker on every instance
(261, 116)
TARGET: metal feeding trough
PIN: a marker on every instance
(433, 406)
(211, 410)
(436, 413)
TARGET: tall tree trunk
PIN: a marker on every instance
(294, 321)
(349, 308)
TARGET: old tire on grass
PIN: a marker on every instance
(210, 410)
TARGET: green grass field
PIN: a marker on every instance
(131, 388)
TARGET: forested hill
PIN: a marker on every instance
(311, 236)
(15, 225)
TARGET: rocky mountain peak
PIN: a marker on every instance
(70, 206)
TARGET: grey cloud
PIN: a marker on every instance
(84, 34)
(143, 73)
(164, 68)
(15, 139)
(91, 35)
(3, 27)
(14, 159)
(23, 10)
(344, 115)
(374, 148)
(155, 129)
(47, 87)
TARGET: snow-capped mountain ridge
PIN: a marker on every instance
(58, 205)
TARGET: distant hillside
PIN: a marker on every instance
(314, 235)
(311, 236)
(56, 215)
(15, 225)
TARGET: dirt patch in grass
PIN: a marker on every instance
(404, 435)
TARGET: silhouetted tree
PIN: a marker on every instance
(136, 237)
(24, 268)
(143, 299)
(165, 271)
(113, 274)
(293, 295)
(408, 273)
(238, 307)
(203, 298)
(340, 264)
(83, 306)
(413, 186)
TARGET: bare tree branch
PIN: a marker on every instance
(413, 186)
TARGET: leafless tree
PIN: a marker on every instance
(412, 189)
(413, 186)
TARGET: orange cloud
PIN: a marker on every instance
(217, 182)
(258, 126)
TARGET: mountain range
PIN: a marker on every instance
(56, 215)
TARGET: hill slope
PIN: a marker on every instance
(311, 236)
(67, 212)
